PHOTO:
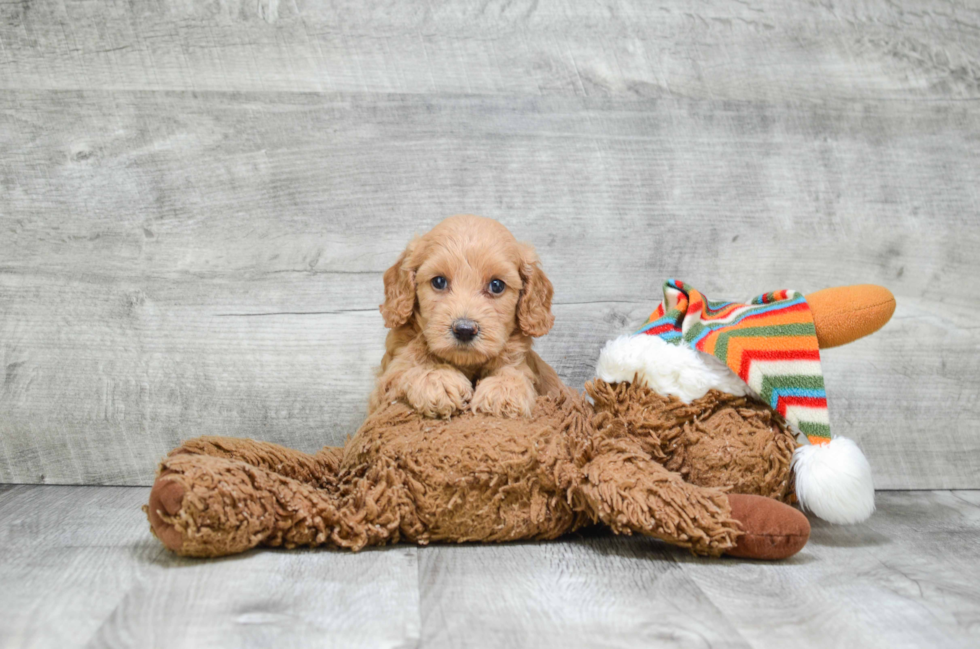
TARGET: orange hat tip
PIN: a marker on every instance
(845, 313)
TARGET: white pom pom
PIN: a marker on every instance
(834, 481)
(665, 368)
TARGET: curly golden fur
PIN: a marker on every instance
(444, 278)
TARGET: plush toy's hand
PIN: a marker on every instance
(845, 313)
(166, 499)
(770, 529)
(508, 394)
(437, 393)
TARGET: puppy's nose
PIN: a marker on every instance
(465, 330)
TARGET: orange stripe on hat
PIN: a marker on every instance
(779, 318)
(737, 345)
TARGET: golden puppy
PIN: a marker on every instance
(463, 303)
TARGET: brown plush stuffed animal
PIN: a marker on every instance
(709, 379)
(634, 461)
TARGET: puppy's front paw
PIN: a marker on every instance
(504, 396)
(439, 393)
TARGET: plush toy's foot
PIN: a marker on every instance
(771, 529)
(205, 506)
(166, 497)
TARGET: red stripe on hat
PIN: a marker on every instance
(785, 402)
(751, 355)
(656, 331)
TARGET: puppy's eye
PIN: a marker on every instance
(497, 286)
(439, 283)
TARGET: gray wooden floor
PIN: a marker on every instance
(78, 567)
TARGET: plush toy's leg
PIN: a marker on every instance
(209, 506)
(319, 469)
(632, 493)
(629, 492)
(772, 530)
(719, 440)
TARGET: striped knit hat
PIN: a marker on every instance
(770, 343)
(766, 348)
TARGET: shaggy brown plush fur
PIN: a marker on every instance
(720, 440)
(472, 478)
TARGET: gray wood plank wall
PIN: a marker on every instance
(197, 201)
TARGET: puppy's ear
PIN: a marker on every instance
(400, 288)
(534, 306)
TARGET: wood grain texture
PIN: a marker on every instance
(220, 274)
(754, 50)
(272, 599)
(79, 568)
(69, 557)
(590, 590)
(197, 201)
(906, 578)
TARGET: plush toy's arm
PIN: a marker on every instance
(845, 313)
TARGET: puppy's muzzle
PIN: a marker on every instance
(465, 330)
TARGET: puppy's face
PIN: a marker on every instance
(467, 295)
(468, 285)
